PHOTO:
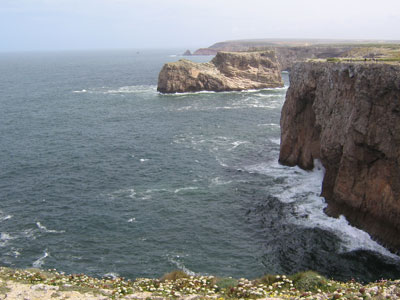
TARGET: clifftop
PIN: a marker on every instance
(49, 285)
(348, 116)
(227, 71)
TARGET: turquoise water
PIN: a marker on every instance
(101, 174)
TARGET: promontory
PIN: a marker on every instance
(347, 114)
(227, 71)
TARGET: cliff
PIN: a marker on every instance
(291, 50)
(348, 116)
(288, 56)
(225, 72)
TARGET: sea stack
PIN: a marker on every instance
(227, 71)
(348, 116)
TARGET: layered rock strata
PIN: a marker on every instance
(227, 71)
(348, 116)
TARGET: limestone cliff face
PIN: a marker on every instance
(226, 72)
(348, 116)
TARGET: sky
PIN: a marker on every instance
(27, 25)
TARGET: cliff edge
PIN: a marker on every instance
(348, 116)
(227, 71)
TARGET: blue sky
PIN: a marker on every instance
(107, 24)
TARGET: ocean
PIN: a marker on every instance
(100, 174)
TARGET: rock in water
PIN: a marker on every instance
(227, 71)
(187, 53)
(348, 116)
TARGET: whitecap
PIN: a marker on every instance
(80, 92)
(188, 93)
(276, 141)
(40, 261)
(44, 229)
(4, 218)
(189, 188)
(250, 91)
(180, 265)
(134, 89)
(144, 159)
(150, 191)
(16, 253)
(131, 193)
(4, 238)
(269, 124)
(131, 220)
(238, 143)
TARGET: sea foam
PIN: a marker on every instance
(40, 261)
(303, 188)
(44, 229)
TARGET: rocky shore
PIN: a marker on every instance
(227, 71)
(34, 284)
(348, 116)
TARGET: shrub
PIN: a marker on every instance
(174, 275)
(267, 279)
(333, 59)
(226, 283)
(309, 281)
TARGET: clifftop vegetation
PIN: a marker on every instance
(178, 285)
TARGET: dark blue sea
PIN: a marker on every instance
(100, 174)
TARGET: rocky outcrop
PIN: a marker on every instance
(348, 116)
(187, 53)
(227, 71)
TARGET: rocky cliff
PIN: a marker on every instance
(225, 72)
(348, 116)
(288, 56)
(296, 50)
